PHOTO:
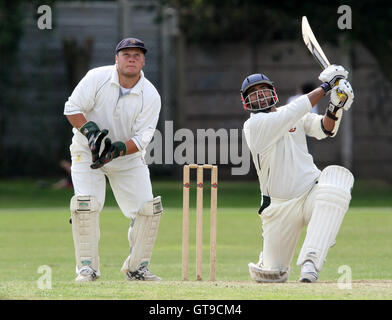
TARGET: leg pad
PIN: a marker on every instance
(331, 204)
(142, 234)
(85, 231)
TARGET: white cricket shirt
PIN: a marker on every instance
(277, 141)
(130, 115)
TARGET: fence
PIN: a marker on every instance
(199, 86)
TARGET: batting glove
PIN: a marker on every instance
(94, 136)
(331, 76)
(110, 152)
(342, 96)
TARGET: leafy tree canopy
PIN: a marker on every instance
(215, 21)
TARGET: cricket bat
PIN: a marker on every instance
(315, 49)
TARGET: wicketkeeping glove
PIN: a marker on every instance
(110, 152)
(335, 102)
(331, 76)
(94, 136)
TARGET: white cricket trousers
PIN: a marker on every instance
(282, 223)
(130, 182)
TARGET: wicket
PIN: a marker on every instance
(199, 220)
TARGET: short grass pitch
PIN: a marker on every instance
(34, 233)
(30, 238)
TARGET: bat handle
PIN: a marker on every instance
(342, 96)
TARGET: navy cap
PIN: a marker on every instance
(131, 43)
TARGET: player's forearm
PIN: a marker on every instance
(131, 147)
(315, 96)
(77, 120)
(328, 123)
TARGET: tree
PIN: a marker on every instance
(209, 22)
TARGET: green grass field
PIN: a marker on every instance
(34, 231)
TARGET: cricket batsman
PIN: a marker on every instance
(294, 192)
(114, 111)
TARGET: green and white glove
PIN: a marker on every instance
(110, 152)
(94, 136)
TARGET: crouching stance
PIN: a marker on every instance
(114, 111)
(294, 192)
(142, 234)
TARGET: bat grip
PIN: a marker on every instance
(342, 96)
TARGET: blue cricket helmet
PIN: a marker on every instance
(252, 80)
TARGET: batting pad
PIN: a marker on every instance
(85, 231)
(142, 234)
(331, 204)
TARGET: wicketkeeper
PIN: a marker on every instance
(294, 192)
(114, 111)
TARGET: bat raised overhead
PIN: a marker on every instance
(312, 44)
(315, 49)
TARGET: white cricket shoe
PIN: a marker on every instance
(86, 274)
(261, 275)
(142, 274)
(255, 271)
(308, 272)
